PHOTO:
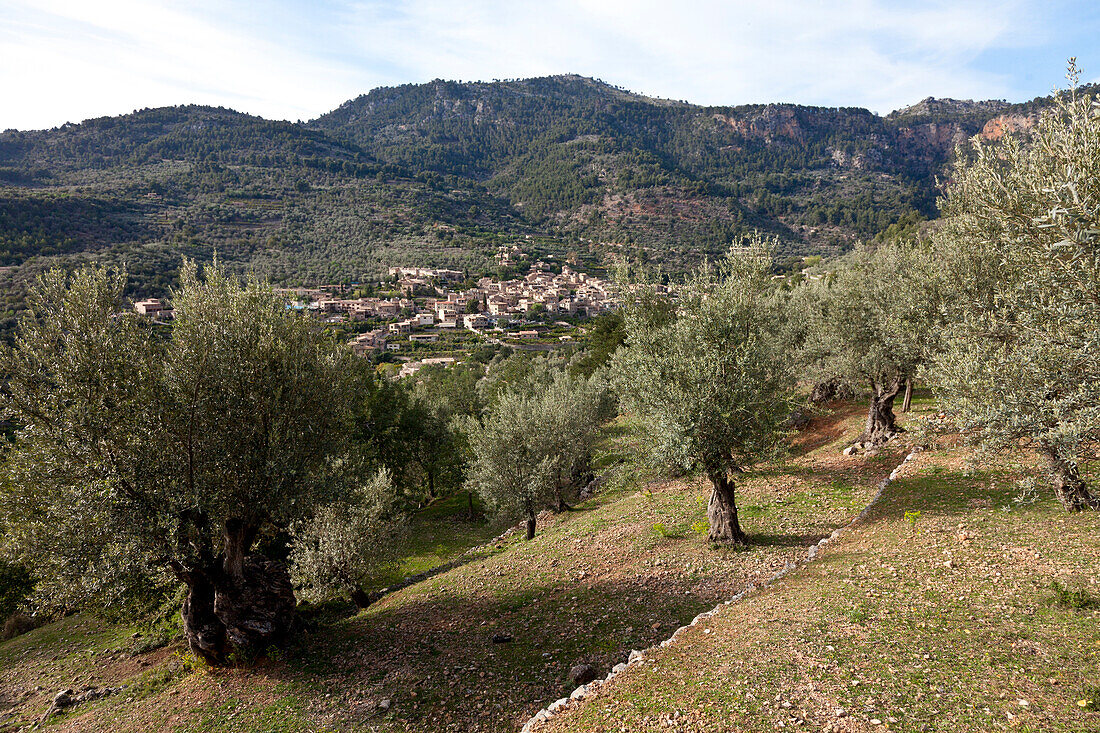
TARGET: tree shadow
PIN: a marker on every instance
(787, 540)
(940, 493)
(433, 655)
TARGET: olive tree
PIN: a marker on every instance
(1022, 237)
(708, 372)
(870, 325)
(336, 548)
(572, 409)
(529, 445)
(139, 457)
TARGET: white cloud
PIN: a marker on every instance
(71, 59)
(874, 53)
(65, 60)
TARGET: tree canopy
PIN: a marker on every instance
(532, 446)
(871, 323)
(139, 457)
(1022, 234)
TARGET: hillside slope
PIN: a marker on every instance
(604, 163)
(441, 173)
(939, 612)
(620, 573)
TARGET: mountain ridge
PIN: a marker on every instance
(444, 172)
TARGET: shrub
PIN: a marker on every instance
(1067, 598)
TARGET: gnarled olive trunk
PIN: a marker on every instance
(360, 598)
(204, 631)
(880, 425)
(1068, 485)
(237, 603)
(722, 511)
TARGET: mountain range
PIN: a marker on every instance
(444, 172)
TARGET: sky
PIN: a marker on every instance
(69, 60)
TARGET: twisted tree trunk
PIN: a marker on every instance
(830, 390)
(360, 598)
(204, 631)
(722, 511)
(237, 603)
(1066, 480)
(880, 425)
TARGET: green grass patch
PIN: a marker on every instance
(1077, 599)
(437, 534)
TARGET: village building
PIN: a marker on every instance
(475, 322)
(369, 342)
(155, 308)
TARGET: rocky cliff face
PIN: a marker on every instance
(773, 122)
(1002, 125)
(933, 141)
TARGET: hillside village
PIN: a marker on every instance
(490, 305)
(432, 302)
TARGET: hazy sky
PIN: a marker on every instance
(68, 60)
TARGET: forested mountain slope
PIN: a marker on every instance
(442, 172)
(607, 164)
(295, 204)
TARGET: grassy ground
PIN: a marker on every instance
(440, 533)
(938, 613)
(880, 626)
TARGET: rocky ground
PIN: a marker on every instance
(939, 612)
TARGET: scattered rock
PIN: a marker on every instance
(797, 419)
(851, 450)
(582, 674)
(384, 705)
(66, 699)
